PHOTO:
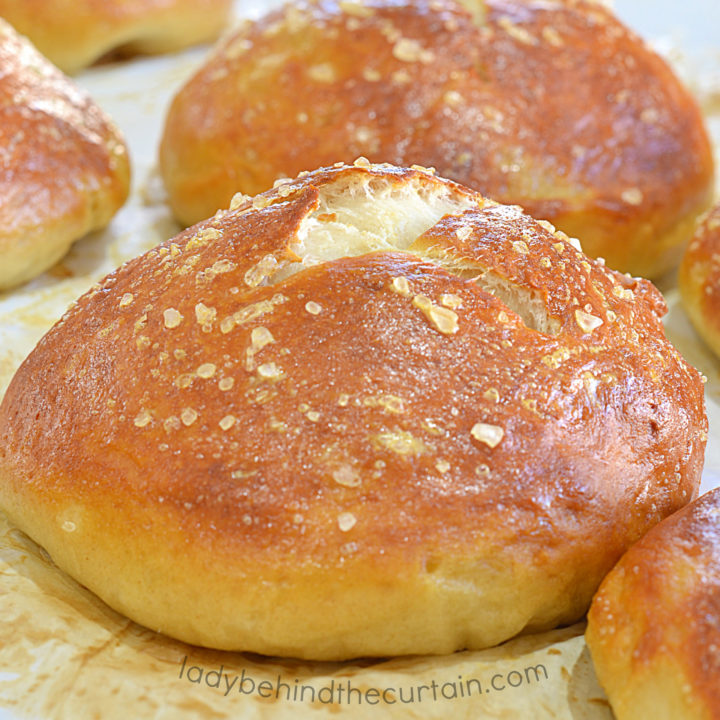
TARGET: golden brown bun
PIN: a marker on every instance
(65, 168)
(365, 413)
(699, 279)
(75, 33)
(654, 626)
(552, 105)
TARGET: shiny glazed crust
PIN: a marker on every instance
(65, 169)
(699, 279)
(654, 626)
(75, 33)
(246, 440)
(555, 106)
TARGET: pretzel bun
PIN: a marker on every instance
(654, 626)
(65, 169)
(699, 279)
(365, 413)
(76, 33)
(550, 104)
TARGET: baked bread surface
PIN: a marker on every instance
(75, 33)
(365, 413)
(699, 279)
(64, 168)
(654, 626)
(553, 105)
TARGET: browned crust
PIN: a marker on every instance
(64, 169)
(555, 106)
(75, 33)
(654, 626)
(604, 433)
(699, 279)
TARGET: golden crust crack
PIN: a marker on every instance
(368, 398)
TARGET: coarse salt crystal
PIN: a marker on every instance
(490, 435)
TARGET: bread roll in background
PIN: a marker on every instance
(699, 279)
(552, 105)
(76, 33)
(365, 413)
(64, 165)
(654, 626)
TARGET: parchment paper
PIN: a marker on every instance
(65, 655)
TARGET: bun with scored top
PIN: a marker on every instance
(65, 168)
(654, 626)
(365, 413)
(552, 105)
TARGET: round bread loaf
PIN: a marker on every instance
(64, 168)
(699, 279)
(654, 626)
(550, 104)
(75, 33)
(365, 413)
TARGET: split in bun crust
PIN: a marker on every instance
(552, 105)
(365, 413)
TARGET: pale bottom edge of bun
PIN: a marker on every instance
(658, 690)
(326, 615)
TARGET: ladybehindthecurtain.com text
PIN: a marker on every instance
(344, 692)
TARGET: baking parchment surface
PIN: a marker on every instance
(65, 655)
